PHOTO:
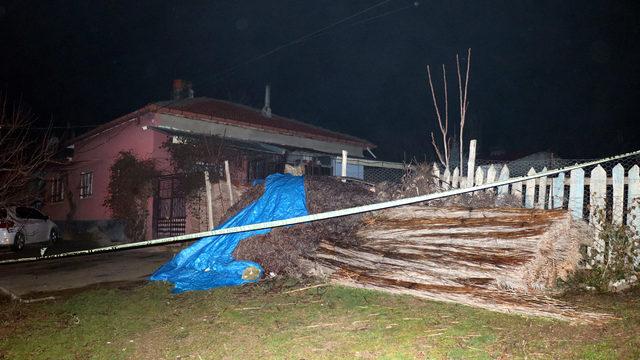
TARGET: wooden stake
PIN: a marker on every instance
(472, 163)
(207, 186)
(228, 175)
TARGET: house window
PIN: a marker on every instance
(57, 189)
(86, 184)
(316, 169)
(261, 168)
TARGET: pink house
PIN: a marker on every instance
(264, 142)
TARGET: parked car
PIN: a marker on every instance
(21, 225)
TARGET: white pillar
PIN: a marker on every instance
(343, 173)
(228, 176)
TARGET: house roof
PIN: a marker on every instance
(228, 113)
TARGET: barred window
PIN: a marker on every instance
(57, 189)
(86, 184)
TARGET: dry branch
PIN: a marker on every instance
(24, 155)
(464, 103)
(443, 155)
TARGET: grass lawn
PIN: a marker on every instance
(263, 321)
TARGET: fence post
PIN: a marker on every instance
(597, 206)
(542, 191)
(576, 193)
(455, 178)
(558, 191)
(633, 201)
(504, 175)
(471, 164)
(479, 179)
(446, 184)
(530, 190)
(516, 190)
(617, 208)
(436, 175)
(597, 196)
(491, 174)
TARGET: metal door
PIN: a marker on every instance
(170, 213)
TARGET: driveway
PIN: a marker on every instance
(80, 271)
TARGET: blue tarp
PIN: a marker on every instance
(209, 263)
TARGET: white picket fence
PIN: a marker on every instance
(585, 196)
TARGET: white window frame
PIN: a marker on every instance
(86, 184)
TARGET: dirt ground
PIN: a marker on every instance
(77, 272)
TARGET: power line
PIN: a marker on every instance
(311, 35)
(298, 40)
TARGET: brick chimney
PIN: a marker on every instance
(181, 89)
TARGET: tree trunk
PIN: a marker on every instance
(499, 259)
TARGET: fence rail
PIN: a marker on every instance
(610, 191)
(595, 194)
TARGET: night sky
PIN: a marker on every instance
(546, 75)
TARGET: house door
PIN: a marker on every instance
(170, 215)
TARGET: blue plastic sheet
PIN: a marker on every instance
(209, 263)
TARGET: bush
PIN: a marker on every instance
(611, 264)
(130, 186)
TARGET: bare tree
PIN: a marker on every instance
(443, 156)
(464, 103)
(23, 155)
(444, 153)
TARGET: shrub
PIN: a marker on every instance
(130, 186)
(611, 264)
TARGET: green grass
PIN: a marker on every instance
(148, 322)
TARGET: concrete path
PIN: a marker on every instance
(81, 271)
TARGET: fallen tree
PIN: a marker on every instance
(503, 259)
(506, 260)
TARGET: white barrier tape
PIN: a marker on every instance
(320, 216)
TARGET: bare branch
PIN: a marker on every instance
(464, 103)
(23, 156)
(446, 118)
(435, 146)
(433, 95)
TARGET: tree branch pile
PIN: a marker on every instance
(283, 250)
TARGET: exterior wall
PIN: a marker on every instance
(97, 155)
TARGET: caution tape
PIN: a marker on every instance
(319, 216)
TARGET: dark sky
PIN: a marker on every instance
(546, 75)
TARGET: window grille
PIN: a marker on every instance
(86, 184)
